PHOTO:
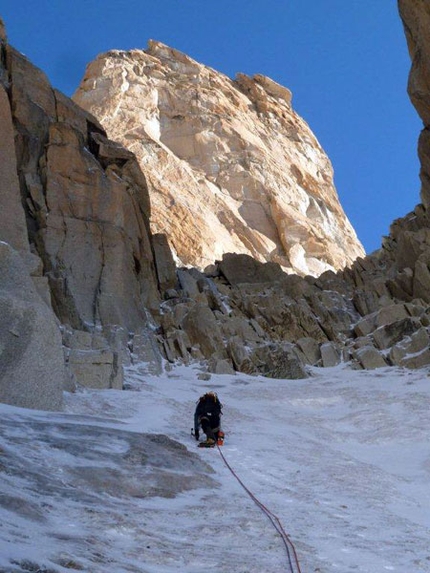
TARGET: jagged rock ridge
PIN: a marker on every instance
(230, 166)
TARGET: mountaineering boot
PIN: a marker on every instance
(209, 443)
(220, 440)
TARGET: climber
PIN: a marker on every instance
(207, 416)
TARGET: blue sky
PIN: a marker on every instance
(346, 63)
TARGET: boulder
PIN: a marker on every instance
(239, 355)
(361, 341)
(145, 352)
(257, 328)
(391, 313)
(366, 302)
(277, 361)
(417, 307)
(241, 268)
(414, 344)
(32, 371)
(188, 282)
(335, 314)
(382, 317)
(330, 355)
(369, 358)
(421, 281)
(310, 349)
(91, 360)
(220, 366)
(179, 311)
(278, 315)
(95, 368)
(214, 298)
(178, 345)
(202, 329)
(418, 360)
(238, 326)
(401, 286)
(387, 336)
(164, 263)
(366, 325)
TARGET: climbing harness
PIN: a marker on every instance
(293, 560)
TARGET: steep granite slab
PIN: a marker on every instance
(32, 371)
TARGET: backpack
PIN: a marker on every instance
(209, 402)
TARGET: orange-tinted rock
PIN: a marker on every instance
(230, 166)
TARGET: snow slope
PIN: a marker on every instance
(342, 458)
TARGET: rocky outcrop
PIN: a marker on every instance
(230, 166)
(250, 317)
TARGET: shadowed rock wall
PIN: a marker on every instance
(415, 15)
(75, 206)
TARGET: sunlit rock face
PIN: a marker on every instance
(230, 166)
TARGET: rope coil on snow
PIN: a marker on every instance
(293, 560)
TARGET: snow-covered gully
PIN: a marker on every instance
(115, 483)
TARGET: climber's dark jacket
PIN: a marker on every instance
(208, 416)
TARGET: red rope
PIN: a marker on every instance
(293, 560)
